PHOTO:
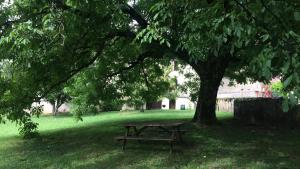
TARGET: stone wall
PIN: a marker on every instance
(265, 111)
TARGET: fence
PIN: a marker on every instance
(265, 111)
(225, 105)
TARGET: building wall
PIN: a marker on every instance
(165, 104)
(250, 89)
(126, 107)
(47, 107)
(188, 104)
(240, 90)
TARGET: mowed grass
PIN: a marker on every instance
(65, 143)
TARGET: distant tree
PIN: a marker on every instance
(99, 89)
(57, 98)
(191, 85)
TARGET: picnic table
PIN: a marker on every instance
(137, 131)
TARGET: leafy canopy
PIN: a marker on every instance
(111, 46)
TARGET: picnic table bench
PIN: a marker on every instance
(135, 131)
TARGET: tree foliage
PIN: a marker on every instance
(57, 98)
(111, 45)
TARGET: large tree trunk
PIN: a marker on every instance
(211, 74)
(206, 104)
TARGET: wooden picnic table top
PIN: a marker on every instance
(155, 124)
(134, 130)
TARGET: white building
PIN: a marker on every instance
(47, 107)
(182, 101)
(256, 89)
(226, 91)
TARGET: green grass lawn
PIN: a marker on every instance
(65, 143)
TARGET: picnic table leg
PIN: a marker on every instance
(179, 135)
(125, 139)
(135, 131)
(124, 144)
(173, 136)
(171, 146)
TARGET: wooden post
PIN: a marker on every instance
(125, 138)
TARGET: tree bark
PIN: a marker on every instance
(142, 108)
(206, 104)
(54, 108)
(211, 74)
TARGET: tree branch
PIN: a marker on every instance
(75, 71)
(139, 60)
(68, 77)
(264, 25)
(8, 23)
(282, 24)
(145, 77)
(245, 9)
(127, 9)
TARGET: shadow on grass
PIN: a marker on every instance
(224, 146)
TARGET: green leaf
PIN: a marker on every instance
(285, 105)
(297, 16)
(216, 53)
(287, 81)
(265, 37)
(168, 44)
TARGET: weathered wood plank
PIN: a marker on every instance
(143, 138)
